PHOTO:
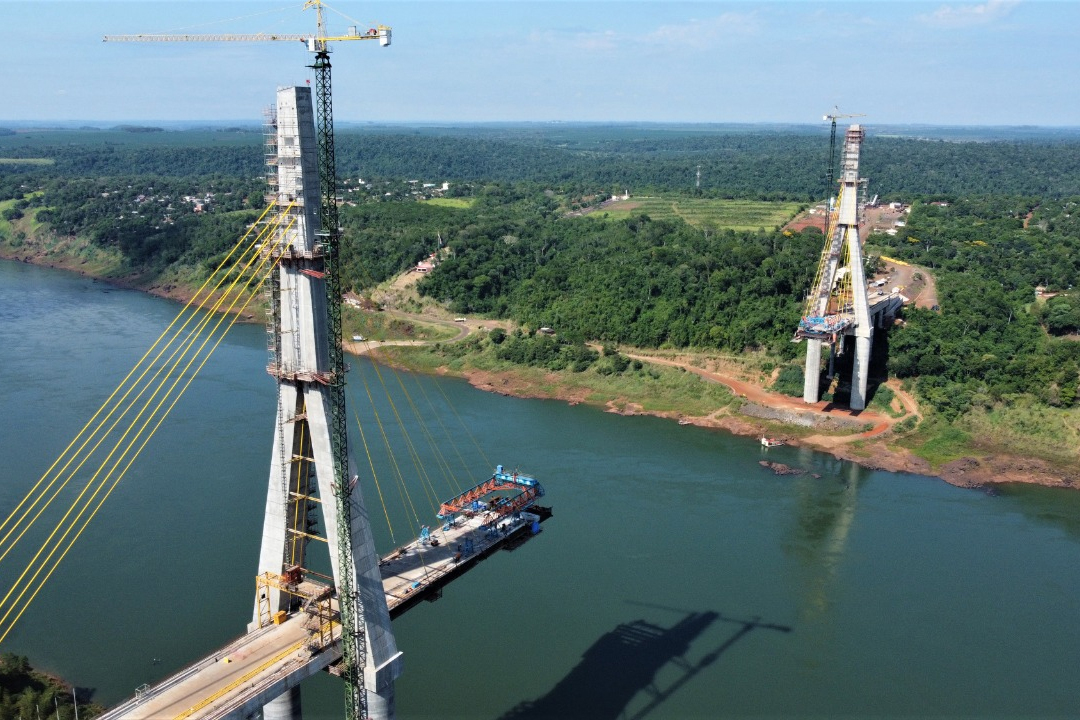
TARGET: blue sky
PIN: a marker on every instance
(1001, 62)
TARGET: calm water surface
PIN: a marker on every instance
(677, 579)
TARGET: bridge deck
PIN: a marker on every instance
(881, 305)
(258, 666)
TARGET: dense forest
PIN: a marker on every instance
(736, 161)
(640, 281)
(993, 219)
(994, 338)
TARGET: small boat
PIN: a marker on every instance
(684, 421)
(770, 442)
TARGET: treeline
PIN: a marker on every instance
(746, 163)
(152, 221)
(640, 281)
(993, 338)
(759, 165)
(26, 694)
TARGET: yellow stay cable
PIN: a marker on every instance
(119, 477)
(812, 298)
(446, 433)
(120, 459)
(415, 456)
(108, 400)
(403, 491)
(440, 459)
(374, 475)
(301, 472)
(406, 497)
(202, 324)
(89, 454)
(464, 427)
(221, 319)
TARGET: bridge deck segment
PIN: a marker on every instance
(241, 677)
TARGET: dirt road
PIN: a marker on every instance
(759, 395)
(867, 448)
(922, 290)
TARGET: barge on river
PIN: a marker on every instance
(498, 514)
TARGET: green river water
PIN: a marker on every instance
(678, 578)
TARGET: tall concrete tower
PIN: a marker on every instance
(838, 304)
(307, 483)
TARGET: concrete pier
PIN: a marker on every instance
(812, 373)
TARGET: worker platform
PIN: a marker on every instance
(240, 678)
(883, 307)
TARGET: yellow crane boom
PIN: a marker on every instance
(380, 33)
(316, 42)
(836, 115)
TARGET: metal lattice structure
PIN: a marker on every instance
(349, 601)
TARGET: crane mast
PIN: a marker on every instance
(349, 604)
(830, 169)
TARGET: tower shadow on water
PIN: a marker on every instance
(625, 662)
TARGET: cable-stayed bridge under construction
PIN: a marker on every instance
(839, 304)
(302, 621)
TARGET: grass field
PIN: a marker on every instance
(654, 388)
(1021, 427)
(460, 203)
(705, 212)
(379, 326)
(5, 226)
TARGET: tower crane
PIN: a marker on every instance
(317, 42)
(833, 116)
(353, 641)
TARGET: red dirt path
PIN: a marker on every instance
(761, 396)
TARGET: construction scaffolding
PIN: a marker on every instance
(837, 304)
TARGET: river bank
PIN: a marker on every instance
(873, 448)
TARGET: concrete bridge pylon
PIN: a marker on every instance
(305, 483)
(838, 304)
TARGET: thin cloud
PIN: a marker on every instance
(959, 16)
(696, 34)
(706, 33)
(587, 41)
(596, 41)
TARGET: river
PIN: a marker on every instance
(677, 578)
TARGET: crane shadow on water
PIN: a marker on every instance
(626, 661)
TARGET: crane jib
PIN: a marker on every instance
(382, 33)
